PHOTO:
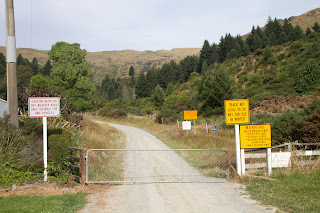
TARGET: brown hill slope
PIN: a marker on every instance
(117, 63)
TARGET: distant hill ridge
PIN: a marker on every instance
(117, 63)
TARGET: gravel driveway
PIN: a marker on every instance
(169, 197)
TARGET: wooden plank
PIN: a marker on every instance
(256, 165)
(255, 155)
(75, 178)
(307, 162)
(262, 177)
(74, 168)
(307, 152)
(75, 148)
(74, 158)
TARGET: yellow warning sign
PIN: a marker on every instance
(255, 136)
(190, 115)
(237, 111)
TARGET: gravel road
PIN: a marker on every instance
(169, 197)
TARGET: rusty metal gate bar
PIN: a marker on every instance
(157, 166)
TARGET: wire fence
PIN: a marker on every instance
(151, 166)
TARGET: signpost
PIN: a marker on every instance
(237, 112)
(186, 125)
(255, 136)
(44, 107)
(191, 115)
(214, 129)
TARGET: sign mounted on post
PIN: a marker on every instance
(190, 115)
(186, 125)
(44, 107)
(214, 129)
(255, 136)
(237, 111)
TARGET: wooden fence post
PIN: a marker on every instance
(82, 167)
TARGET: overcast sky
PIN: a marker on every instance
(104, 25)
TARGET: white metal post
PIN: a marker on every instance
(45, 148)
(243, 162)
(237, 134)
(194, 124)
(269, 161)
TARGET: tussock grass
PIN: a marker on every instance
(103, 165)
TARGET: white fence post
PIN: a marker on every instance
(269, 161)
(243, 162)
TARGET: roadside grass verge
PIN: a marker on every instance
(55, 203)
(103, 165)
(292, 192)
(175, 138)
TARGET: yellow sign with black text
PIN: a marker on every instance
(190, 115)
(237, 111)
(255, 136)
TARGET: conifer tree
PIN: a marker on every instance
(308, 31)
(205, 54)
(35, 66)
(316, 27)
(213, 91)
(141, 86)
(46, 70)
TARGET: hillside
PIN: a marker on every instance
(117, 63)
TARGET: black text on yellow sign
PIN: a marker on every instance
(255, 136)
(190, 115)
(237, 111)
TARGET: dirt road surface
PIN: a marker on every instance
(220, 196)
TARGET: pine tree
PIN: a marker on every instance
(131, 71)
(2, 66)
(308, 31)
(316, 27)
(158, 96)
(298, 33)
(19, 59)
(35, 66)
(142, 86)
(46, 70)
(213, 91)
(205, 54)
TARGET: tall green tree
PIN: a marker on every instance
(213, 91)
(3, 66)
(46, 69)
(142, 86)
(316, 27)
(71, 74)
(158, 96)
(35, 66)
(205, 55)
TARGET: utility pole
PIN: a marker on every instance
(12, 95)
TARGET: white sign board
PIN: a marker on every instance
(280, 159)
(44, 107)
(186, 125)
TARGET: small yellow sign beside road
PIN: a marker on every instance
(190, 115)
(237, 111)
(255, 136)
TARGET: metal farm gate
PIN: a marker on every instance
(156, 166)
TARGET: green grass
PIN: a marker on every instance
(56, 203)
(290, 193)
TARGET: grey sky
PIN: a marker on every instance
(101, 25)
